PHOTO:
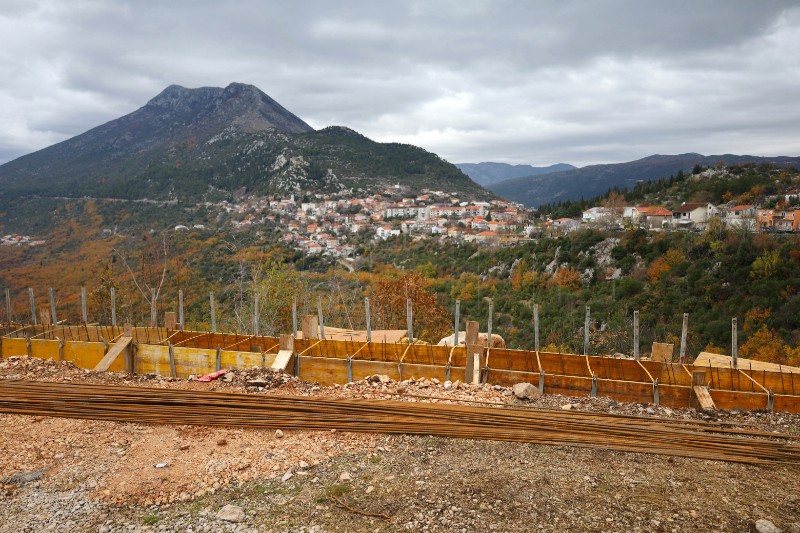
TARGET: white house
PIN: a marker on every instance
(598, 214)
(693, 213)
(384, 232)
(741, 216)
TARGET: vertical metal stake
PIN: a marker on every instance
(586, 331)
(255, 314)
(656, 397)
(735, 343)
(84, 314)
(410, 321)
(213, 313)
(180, 310)
(369, 320)
(636, 335)
(8, 305)
(171, 360)
(153, 311)
(294, 316)
(457, 326)
(113, 307)
(33, 306)
(319, 315)
(536, 326)
(489, 324)
(684, 331)
(53, 318)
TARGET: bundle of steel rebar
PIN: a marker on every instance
(683, 438)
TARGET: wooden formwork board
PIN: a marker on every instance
(193, 361)
(564, 364)
(567, 385)
(45, 349)
(625, 391)
(142, 335)
(518, 360)
(669, 373)
(232, 360)
(363, 369)
(728, 379)
(375, 351)
(323, 370)
(426, 354)
(152, 359)
(458, 356)
(706, 358)
(618, 369)
(786, 404)
(431, 371)
(507, 378)
(12, 346)
(84, 354)
(726, 399)
(674, 395)
(783, 383)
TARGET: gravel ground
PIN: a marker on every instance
(77, 475)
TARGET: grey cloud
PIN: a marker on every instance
(524, 82)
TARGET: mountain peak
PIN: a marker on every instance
(240, 105)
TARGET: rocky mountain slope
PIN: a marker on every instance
(593, 180)
(199, 143)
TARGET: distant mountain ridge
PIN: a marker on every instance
(198, 143)
(488, 173)
(593, 180)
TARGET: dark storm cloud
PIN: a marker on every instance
(533, 82)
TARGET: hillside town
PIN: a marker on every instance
(328, 224)
(331, 224)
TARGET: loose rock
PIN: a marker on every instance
(765, 526)
(525, 391)
(231, 513)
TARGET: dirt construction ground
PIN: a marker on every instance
(80, 475)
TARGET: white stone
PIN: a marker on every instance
(525, 391)
(231, 513)
(345, 476)
(278, 434)
(765, 526)
(566, 407)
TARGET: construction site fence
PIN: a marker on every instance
(180, 354)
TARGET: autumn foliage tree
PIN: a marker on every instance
(388, 296)
(764, 345)
(566, 278)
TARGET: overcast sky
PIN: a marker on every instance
(579, 82)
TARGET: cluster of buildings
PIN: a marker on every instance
(691, 215)
(19, 240)
(328, 224)
(334, 224)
